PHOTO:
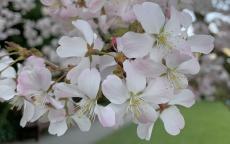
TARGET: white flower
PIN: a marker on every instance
(88, 88)
(133, 97)
(171, 116)
(78, 46)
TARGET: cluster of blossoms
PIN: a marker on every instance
(139, 76)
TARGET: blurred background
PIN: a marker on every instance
(25, 22)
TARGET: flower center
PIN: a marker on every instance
(88, 108)
(162, 40)
(134, 104)
(175, 78)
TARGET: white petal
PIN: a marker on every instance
(149, 68)
(86, 30)
(144, 131)
(158, 91)
(114, 90)
(106, 115)
(135, 45)
(38, 112)
(147, 113)
(150, 16)
(71, 46)
(28, 113)
(74, 73)
(201, 43)
(89, 82)
(9, 73)
(64, 90)
(58, 128)
(184, 97)
(173, 24)
(191, 66)
(173, 120)
(185, 19)
(157, 54)
(136, 82)
(83, 122)
(7, 89)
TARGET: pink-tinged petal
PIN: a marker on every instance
(201, 43)
(114, 90)
(149, 68)
(56, 115)
(106, 115)
(58, 128)
(89, 82)
(30, 81)
(64, 90)
(184, 97)
(71, 47)
(158, 91)
(34, 61)
(74, 73)
(83, 122)
(191, 66)
(28, 112)
(144, 131)
(135, 45)
(55, 103)
(173, 24)
(86, 30)
(135, 81)
(147, 114)
(150, 16)
(175, 58)
(173, 120)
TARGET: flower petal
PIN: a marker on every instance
(135, 81)
(144, 131)
(191, 66)
(89, 82)
(28, 113)
(58, 128)
(150, 16)
(135, 45)
(158, 91)
(86, 30)
(173, 120)
(149, 68)
(71, 46)
(106, 115)
(83, 122)
(74, 73)
(147, 114)
(201, 43)
(64, 90)
(184, 97)
(114, 90)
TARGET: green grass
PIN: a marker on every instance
(206, 123)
